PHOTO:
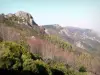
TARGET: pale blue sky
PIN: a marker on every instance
(78, 13)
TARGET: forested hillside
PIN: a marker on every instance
(26, 49)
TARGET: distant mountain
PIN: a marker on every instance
(84, 38)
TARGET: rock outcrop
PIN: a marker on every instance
(26, 17)
(20, 17)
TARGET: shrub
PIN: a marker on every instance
(36, 56)
(17, 59)
(26, 56)
(67, 66)
(42, 68)
(59, 42)
(70, 72)
(10, 55)
(29, 65)
(24, 44)
(82, 69)
(58, 69)
(57, 72)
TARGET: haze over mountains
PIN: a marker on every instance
(87, 39)
(84, 38)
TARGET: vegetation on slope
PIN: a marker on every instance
(57, 41)
(16, 59)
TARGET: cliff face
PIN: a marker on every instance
(26, 17)
(22, 18)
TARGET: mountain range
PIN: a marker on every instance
(76, 47)
(86, 39)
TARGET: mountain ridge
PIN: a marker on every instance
(79, 36)
(22, 28)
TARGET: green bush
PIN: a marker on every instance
(11, 54)
(58, 69)
(26, 56)
(29, 65)
(36, 56)
(82, 69)
(57, 72)
(57, 41)
(70, 72)
(15, 56)
(42, 68)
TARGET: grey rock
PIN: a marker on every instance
(26, 17)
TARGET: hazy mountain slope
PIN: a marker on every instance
(83, 38)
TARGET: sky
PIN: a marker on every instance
(77, 13)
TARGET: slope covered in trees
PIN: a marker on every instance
(16, 59)
(31, 51)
